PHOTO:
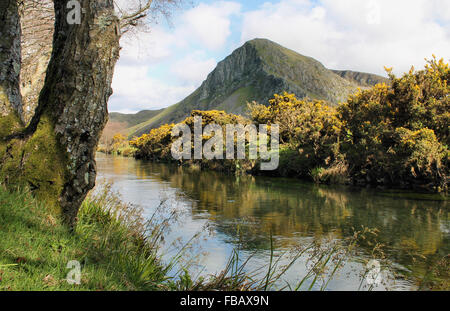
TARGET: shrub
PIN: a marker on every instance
(156, 144)
(311, 129)
(399, 133)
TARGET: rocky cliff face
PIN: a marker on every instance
(256, 71)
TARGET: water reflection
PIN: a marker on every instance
(415, 232)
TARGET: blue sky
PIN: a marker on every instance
(163, 66)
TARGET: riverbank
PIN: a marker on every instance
(115, 248)
(36, 249)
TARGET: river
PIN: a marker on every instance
(413, 230)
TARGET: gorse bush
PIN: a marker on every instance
(117, 145)
(399, 133)
(393, 134)
(156, 144)
(214, 116)
(310, 128)
(301, 121)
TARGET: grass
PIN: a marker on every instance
(35, 248)
(133, 119)
(337, 173)
(153, 122)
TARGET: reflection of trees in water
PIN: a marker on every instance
(291, 209)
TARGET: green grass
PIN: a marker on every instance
(154, 121)
(134, 119)
(35, 248)
(237, 102)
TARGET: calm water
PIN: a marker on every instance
(230, 210)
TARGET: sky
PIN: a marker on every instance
(159, 68)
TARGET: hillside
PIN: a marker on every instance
(121, 123)
(131, 120)
(361, 78)
(256, 71)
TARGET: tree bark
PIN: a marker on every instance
(54, 155)
(10, 58)
(37, 23)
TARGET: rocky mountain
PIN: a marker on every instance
(256, 71)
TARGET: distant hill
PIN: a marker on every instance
(121, 123)
(131, 120)
(361, 78)
(256, 71)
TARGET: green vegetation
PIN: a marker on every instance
(9, 124)
(157, 119)
(399, 134)
(26, 163)
(156, 145)
(236, 102)
(36, 247)
(393, 135)
(133, 119)
(118, 145)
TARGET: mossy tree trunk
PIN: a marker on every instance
(54, 154)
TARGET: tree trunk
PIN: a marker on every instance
(10, 57)
(54, 155)
(37, 23)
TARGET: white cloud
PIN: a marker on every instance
(134, 90)
(209, 24)
(147, 47)
(354, 34)
(193, 68)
